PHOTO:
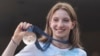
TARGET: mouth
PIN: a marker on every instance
(60, 30)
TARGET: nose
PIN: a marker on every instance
(60, 24)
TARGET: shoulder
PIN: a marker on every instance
(80, 51)
(31, 47)
(28, 50)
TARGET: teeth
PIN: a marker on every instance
(60, 30)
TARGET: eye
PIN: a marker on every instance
(55, 19)
(66, 20)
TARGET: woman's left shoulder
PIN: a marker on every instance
(81, 51)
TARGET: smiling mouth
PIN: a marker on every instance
(60, 30)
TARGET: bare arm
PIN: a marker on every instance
(16, 39)
(10, 50)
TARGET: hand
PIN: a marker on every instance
(19, 33)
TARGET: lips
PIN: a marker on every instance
(60, 30)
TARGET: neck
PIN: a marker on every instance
(65, 38)
(59, 44)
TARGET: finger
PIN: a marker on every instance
(24, 25)
(19, 27)
(28, 25)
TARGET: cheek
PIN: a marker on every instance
(53, 25)
(72, 25)
(68, 26)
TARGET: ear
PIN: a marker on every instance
(73, 24)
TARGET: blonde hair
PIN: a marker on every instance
(74, 36)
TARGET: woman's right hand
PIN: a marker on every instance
(19, 33)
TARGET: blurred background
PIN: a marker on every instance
(35, 11)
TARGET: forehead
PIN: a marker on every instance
(60, 13)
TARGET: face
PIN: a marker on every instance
(61, 24)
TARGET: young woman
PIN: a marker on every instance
(62, 25)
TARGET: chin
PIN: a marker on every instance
(59, 35)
